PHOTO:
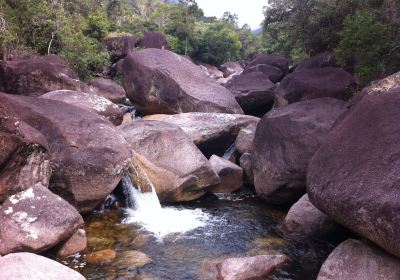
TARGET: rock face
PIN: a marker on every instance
(246, 268)
(273, 73)
(244, 140)
(156, 40)
(120, 46)
(22, 164)
(354, 175)
(75, 244)
(35, 220)
(89, 102)
(88, 155)
(304, 220)
(274, 60)
(35, 76)
(254, 92)
(246, 163)
(212, 133)
(230, 174)
(108, 89)
(159, 81)
(319, 61)
(170, 160)
(285, 141)
(354, 259)
(315, 83)
(28, 266)
(231, 68)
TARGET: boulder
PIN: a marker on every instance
(212, 133)
(244, 268)
(75, 244)
(304, 220)
(108, 89)
(28, 266)
(244, 140)
(254, 92)
(246, 163)
(165, 156)
(231, 68)
(22, 164)
(154, 40)
(315, 83)
(89, 102)
(273, 73)
(230, 174)
(322, 60)
(120, 46)
(354, 175)
(159, 81)
(35, 76)
(35, 220)
(212, 71)
(284, 143)
(278, 61)
(101, 257)
(354, 259)
(88, 155)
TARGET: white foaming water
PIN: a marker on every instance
(161, 221)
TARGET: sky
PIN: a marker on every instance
(249, 11)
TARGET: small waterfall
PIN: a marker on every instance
(144, 208)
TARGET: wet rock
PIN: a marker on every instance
(156, 40)
(246, 163)
(90, 102)
(268, 245)
(278, 61)
(159, 81)
(245, 268)
(284, 143)
(322, 60)
(244, 140)
(354, 259)
(22, 164)
(213, 133)
(108, 89)
(231, 68)
(254, 92)
(273, 73)
(132, 259)
(99, 243)
(354, 175)
(120, 46)
(88, 155)
(230, 174)
(35, 220)
(315, 83)
(304, 220)
(75, 244)
(37, 75)
(28, 266)
(101, 257)
(169, 159)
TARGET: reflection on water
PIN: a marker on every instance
(229, 226)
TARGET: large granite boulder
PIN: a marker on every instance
(212, 71)
(304, 220)
(354, 259)
(213, 133)
(167, 157)
(231, 68)
(119, 46)
(89, 102)
(278, 61)
(35, 220)
(23, 163)
(156, 40)
(354, 175)
(244, 140)
(284, 143)
(254, 92)
(108, 89)
(322, 60)
(88, 155)
(37, 75)
(159, 81)
(273, 73)
(28, 266)
(315, 83)
(230, 174)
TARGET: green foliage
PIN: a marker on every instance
(97, 25)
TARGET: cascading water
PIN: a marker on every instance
(144, 208)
